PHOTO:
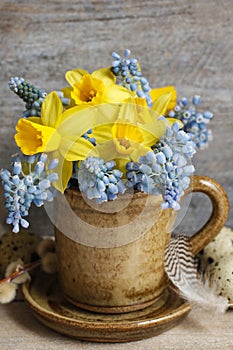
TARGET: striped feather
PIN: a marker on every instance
(181, 268)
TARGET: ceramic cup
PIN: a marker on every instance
(112, 260)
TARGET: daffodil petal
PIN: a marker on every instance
(105, 75)
(107, 150)
(106, 113)
(51, 110)
(116, 94)
(102, 133)
(78, 150)
(155, 93)
(67, 171)
(73, 112)
(143, 112)
(75, 75)
(121, 164)
(76, 122)
(152, 132)
(64, 170)
(161, 103)
(35, 120)
(128, 112)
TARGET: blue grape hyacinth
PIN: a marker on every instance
(99, 180)
(165, 170)
(32, 96)
(195, 123)
(27, 183)
(129, 75)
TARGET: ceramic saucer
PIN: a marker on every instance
(44, 297)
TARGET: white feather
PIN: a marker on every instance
(181, 268)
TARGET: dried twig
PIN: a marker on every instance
(20, 271)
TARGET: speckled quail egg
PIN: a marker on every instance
(13, 246)
(220, 275)
(221, 246)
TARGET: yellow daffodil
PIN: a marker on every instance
(49, 134)
(157, 93)
(93, 89)
(130, 135)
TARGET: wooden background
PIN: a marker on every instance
(182, 42)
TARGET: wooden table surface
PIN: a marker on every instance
(182, 42)
(19, 330)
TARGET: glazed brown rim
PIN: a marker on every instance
(150, 322)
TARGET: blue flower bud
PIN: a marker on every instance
(184, 101)
(101, 186)
(43, 158)
(140, 93)
(44, 184)
(110, 164)
(28, 180)
(53, 164)
(208, 115)
(17, 168)
(5, 175)
(24, 223)
(105, 179)
(199, 117)
(15, 228)
(53, 177)
(31, 159)
(150, 156)
(127, 53)
(171, 114)
(41, 196)
(167, 151)
(156, 168)
(145, 169)
(175, 127)
(117, 173)
(186, 114)
(133, 87)
(169, 166)
(6, 188)
(116, 70)
(112, 196)
(115, 63)
(177, 108)
(196, 100)
(146, 88)
(65, 101)
(188, 170)
(16, 180)
(160, 157)
(39, 167)
(116, 56)
(112, 178)
(38, 202)
(104, 197)
(144, 81)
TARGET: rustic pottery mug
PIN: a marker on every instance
(111, 259)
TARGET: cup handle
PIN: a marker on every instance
(220, 209)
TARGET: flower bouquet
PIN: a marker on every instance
(106, 132)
